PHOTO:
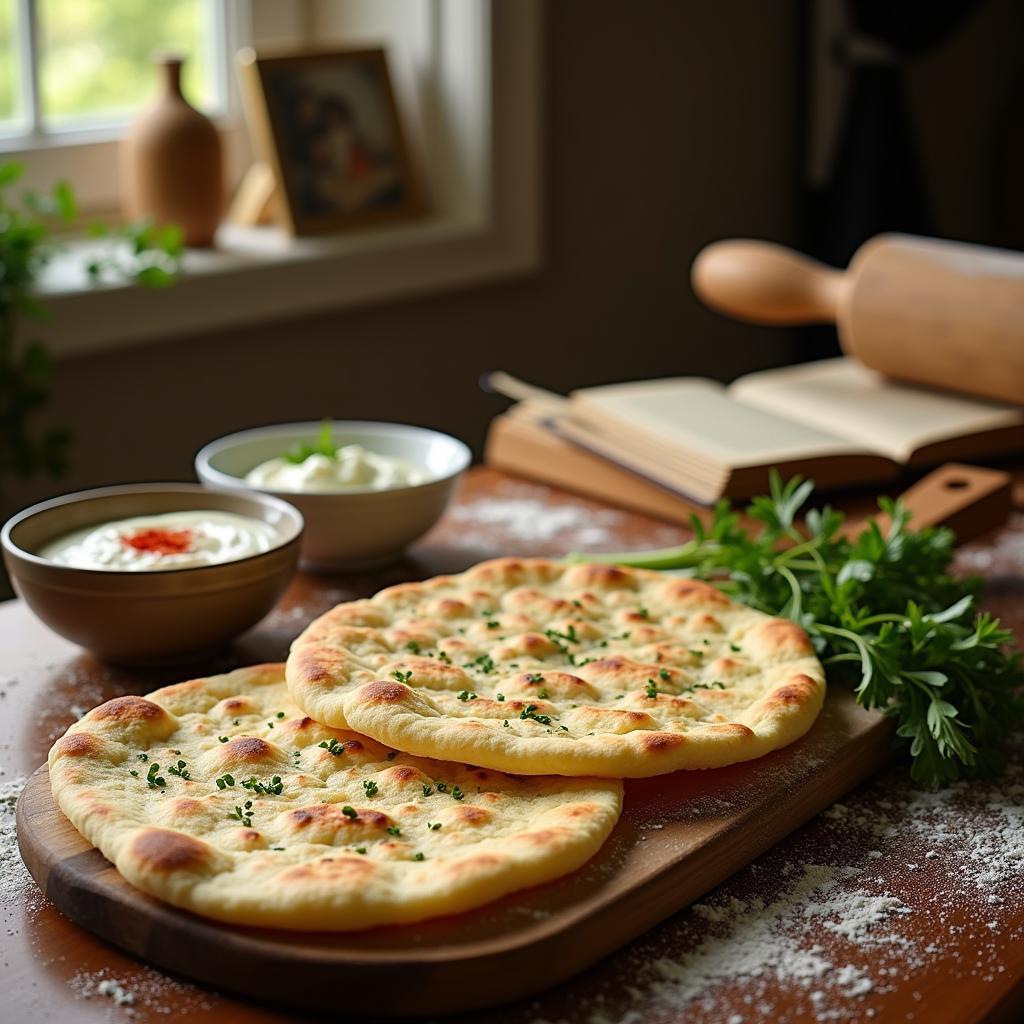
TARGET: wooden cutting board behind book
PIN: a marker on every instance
(925, 310)
(834, 421)
(679, 836)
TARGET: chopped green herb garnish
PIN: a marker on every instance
(466, 695)
(271, 788)
(484, 662)
(735, 647)
(543, 694)
(443, 656)
(225, 780)
(142, 757)
(361, 849)
(664, 675)
(153, 780)
(643, 613)
(370, 787)
(242, 814)
(280, 714)
(333, 746)
(434, 827)
(457, 793)
(427, 790)
(716, 685)
(223, 739)
(418, 856)
(492, 623)
(534, 677)
(652, 689)
(413, 647)
(500, 696)
(505, 724)
(402, 677)
(394, 830)
(133, 773)
(350, 812)
(180, 770)
(530, 711)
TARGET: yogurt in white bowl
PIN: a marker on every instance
(366, 490)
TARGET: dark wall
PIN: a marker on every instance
(668, 124)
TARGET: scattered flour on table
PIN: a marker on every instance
(1003, 553)
(14, 876)
(141, 993)
(525, 513)
(831, 932)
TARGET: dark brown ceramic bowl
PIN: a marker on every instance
(149, 617)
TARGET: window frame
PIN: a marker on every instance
(486, 225)
(49, 152)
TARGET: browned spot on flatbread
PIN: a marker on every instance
(248, 748)
(164, 851)
(382, 691)
(129, 709)
(695, 592)
(660, 742)
(781, 635)
(470, 815)
(78, 744)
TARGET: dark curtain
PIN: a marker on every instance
(875, 182)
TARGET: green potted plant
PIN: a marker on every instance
(144, 253)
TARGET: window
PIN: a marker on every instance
(79, 64)
(469, 78)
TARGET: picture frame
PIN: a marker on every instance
(327, 126)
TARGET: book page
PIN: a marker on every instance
(697, 417)
(843, 396)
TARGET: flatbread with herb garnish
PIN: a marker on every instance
(538, 667)
(219, 796)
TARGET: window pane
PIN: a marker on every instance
(9, 67)
(97, 55)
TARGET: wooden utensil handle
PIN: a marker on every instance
(968, 499)
(765, 283)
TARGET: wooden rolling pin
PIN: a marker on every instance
(932, 312)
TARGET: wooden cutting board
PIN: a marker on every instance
(680, 835)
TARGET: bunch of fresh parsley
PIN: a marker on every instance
(884, 613)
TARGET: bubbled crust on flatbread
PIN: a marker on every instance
(327, 853)
(538, 667)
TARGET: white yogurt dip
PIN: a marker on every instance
(351, 466)
(173, 540)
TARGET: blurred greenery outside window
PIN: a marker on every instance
(80, 64)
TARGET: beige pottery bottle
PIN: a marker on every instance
(172, 165)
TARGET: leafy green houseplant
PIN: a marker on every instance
(150, 256)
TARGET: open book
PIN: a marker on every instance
(834, 420)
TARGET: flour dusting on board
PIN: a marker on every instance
(789, 940)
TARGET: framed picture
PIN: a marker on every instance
(327, 126)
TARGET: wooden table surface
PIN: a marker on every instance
(895, 905)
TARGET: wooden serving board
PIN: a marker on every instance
(680, 835)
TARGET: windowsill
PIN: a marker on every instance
(259, 274)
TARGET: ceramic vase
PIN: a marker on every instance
(172, 164)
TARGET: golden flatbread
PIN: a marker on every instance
(218, 795)
(539, 667)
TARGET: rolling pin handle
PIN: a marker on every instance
(764, 283)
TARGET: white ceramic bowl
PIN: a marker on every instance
(359, 527)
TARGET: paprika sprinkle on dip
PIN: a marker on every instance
(160, 542)
(173, 540)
